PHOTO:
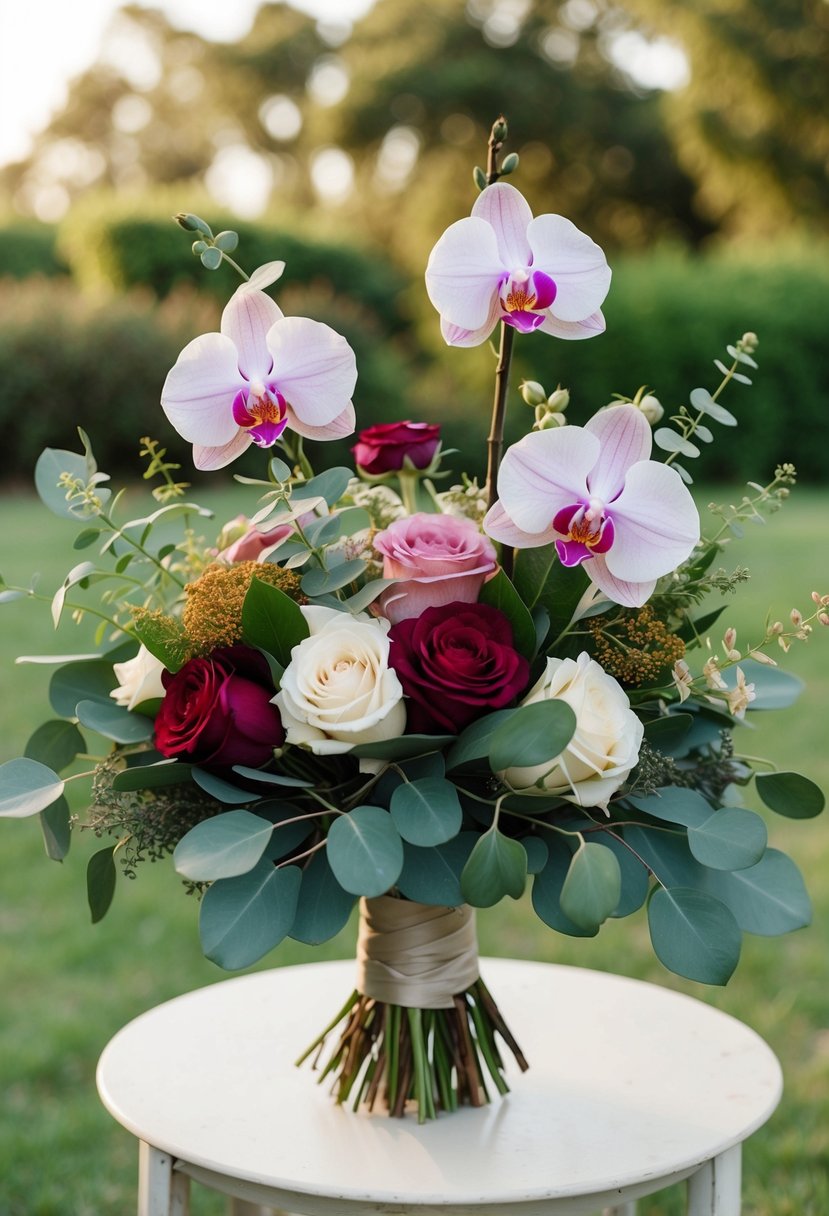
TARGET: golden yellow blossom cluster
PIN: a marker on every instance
(635, 647)
(213, 612)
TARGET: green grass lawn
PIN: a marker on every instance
(67, 987)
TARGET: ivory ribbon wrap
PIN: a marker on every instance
(415, 955)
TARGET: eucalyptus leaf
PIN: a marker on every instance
(694, 935)
(537, 853)
(667, 855)
(365, 851)
(497, 866)
(535, 734)
(532, 566)
(665, 734)
(257, 774)
(593, 886)
(675, 804)
(221, 790)
(56, 744)
(76, 575)
(242, 918)
(635, 876)
(322, 582)
(790, 794)
(323, 907)
(702, 400)
(473, 742)
(546, 894)
(367, 594)
(330, 485)
(768, 898)
(291, 827)
(731, 839)
(433, 875)
(222, 846)
(26, 788)
(672, 441)
(54, 825)
(406, 747)
(272, 621)
(88, 680)
(100, 882)
(426, 812)
(152, 776)
(114, 722)
(51, 465)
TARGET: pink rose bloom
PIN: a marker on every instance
(252, 542)
(441, 559)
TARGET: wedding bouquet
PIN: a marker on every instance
(376, 688)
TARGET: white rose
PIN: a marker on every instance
(140, 679)
(338, 689)
(605, 746)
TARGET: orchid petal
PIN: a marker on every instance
(545, 471)
(338, 428)
(506, 209)
(590, 327)
(524, 322)
(456, 335)
(464, 272)
(500, 527)
(625, 436)
(209, 458)
(576, 262)
(314, 369)
(198, 393)
(657, 523)
(629, 595)
(246, 320)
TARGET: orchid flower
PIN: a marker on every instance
(500, 264)
(593, 491)
(262, 373)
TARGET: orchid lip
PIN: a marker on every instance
(262, 411)
(587, 531)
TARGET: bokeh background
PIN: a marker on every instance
(689, 137)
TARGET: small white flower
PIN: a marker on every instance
(139, 679)
(683, 680)
(740, 697)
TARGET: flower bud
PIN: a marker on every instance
(749, 342)
(500, 130)
(532, 392)
(193, 223)
(652, 408)
(549, 422)
(795, 617)
(823, 617)
(559, 400)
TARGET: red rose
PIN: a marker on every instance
(217, 710)
(382, 449)
(456, 662)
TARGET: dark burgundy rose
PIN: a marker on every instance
(217, 710)
(382, 449)
(456, 662)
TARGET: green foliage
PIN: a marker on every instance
(790, 794)
(242, 918)
(426, 812)
(694, 934)
(365, 851)
(497, 866)
(223, 846)
(29, 249)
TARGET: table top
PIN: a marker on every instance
(627, 1081)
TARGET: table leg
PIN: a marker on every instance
(161, 1191)
(715, 1189)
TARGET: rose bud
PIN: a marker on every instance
(384, 448)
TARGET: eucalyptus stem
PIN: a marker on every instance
(226, 257)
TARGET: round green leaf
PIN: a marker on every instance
(27, 787)
(54, 825)
(497, 866)
(546, 894)
(406, 747)
(243, 918)
(731, 839)
(674, 804)
(222, 847)
(100, 882)
(365, 851)
(226, 241)
(790, 794)
(537, 853)
(534, 734)
(426, 812)
(323, 907)
(211, 258)
(592, 887)
(767, 899)
(221, 790)
(55, 744)
(635, 875)
(702, 400)
(472, 744)
(694, 935)
(87, 680)
(433, 875)
(114, 721)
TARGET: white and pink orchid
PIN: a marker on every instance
(500, 264)
(262, 373)
(593, 491)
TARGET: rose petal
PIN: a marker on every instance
(573, 331)
(246, 320)
(657, 523)
(198, 393)
(545, 471)
(209, 458)
(625, 436)
(629, 595)
(506, 209)
(576, 262)
(464, 272)
(314, 369)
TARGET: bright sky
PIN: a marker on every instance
(45, 43)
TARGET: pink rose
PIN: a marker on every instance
(383, 448)
(441, 559)
(248, 546)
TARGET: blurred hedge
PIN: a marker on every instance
(668, 317)
(29, 248)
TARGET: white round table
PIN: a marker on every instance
(631, 1087)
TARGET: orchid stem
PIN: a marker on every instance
(495, 441)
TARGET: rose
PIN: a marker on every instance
(218, 711)
(338, 689)
(605, 746)
(441, 559)
(455, 662)
(140, 679)
(384, 448)
(241, 541)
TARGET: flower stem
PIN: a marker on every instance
(495, 440)
(235, 266)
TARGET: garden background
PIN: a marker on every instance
(690, 139)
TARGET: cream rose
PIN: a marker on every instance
(605, 746)
(140, 679)
(338, 689)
